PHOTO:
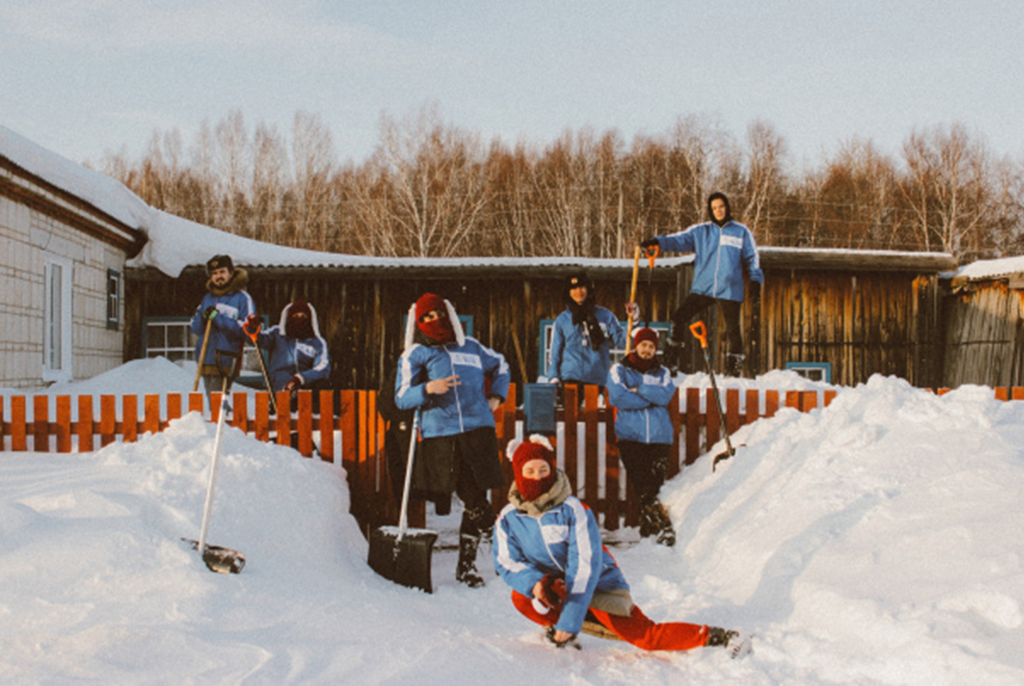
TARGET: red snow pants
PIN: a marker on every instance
(636, 629)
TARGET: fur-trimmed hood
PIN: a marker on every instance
(239, 281)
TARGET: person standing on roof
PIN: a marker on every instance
(222, 312)
(725, 251)
(456, 384)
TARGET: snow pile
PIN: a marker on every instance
(874, 541)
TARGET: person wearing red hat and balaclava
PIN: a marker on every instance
(297, 355)
(547, 547)
(640, 389)
(455, 383)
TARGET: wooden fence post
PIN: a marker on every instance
(19, 438)
(151, 417)
(327, 426)
(130, 418)
(305, 422)
(570, 405)
(85, 424)
(63, 427)
(262, 421)
(41, 423)
(108, 419)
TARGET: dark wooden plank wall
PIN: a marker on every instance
(361, 317)
(985, 335)
(862, 322)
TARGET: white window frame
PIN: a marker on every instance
(57, 308)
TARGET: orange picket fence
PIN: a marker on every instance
(344, 425)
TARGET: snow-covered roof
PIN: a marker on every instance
(991, 269)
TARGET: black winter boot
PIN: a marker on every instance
(734, 364)
(654, 521)
(675, 355)
(737, 643)
(466, 571)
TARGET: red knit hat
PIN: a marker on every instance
(536, 448)
(429, 302)
(645, 334)
(438, 330)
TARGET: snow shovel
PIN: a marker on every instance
(700, 332)
(399, 553)
(218, 559)
(263, 366)
(632, 299)
(652, 254)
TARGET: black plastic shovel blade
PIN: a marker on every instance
(406, 561)
(218, 559)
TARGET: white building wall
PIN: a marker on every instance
(26, 237)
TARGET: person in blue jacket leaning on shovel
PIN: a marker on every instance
(456, 383)
(724, 250)
(218, 321)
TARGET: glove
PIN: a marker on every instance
(251, 324)
(552, 592)
(293, 384)
(649, 243)
(494, 402)
(633, 311)
(210, 313)
(555, 380)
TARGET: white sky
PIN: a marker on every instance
(83, 77)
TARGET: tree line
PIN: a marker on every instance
(431, 189)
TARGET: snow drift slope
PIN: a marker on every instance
(879, 539)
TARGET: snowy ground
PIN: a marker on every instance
(878, 541)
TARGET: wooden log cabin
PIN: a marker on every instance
(984, 324)
(855, 313)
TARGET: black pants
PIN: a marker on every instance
(696, 303)
(646, 464)
(465, 463)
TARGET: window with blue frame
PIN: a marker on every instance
(812, 371)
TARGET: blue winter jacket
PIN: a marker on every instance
(565, 542)
(287, 357)
(641, 413)
(723, 254)
(226, 332)
(572, 356)
(464, 407)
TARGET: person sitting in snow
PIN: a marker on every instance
(640, 389)
(220, 316)
(297, 355)
(548, 548)
(445, 375)
(725, 250)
